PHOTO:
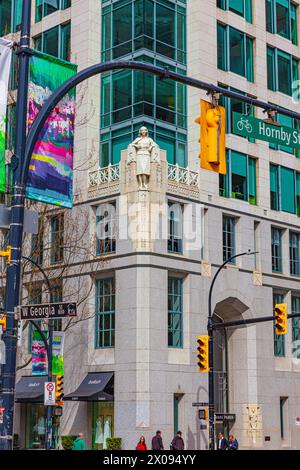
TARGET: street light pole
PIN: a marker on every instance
(210, 330)
(16, 235)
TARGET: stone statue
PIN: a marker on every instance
(143, 150)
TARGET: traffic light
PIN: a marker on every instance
(3, 321)
(212, 137)
(59, 390)
(7, 254)
(203, 361)
(281, 326)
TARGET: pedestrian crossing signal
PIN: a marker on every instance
(203, 357)
(281, 326)
(59, 390)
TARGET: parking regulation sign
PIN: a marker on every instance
(49, 394)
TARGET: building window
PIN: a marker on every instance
(240, 7)
(46, 7)
(229, 224)
(57, 296)
(10, 16)
(57, 239)
(55, 41)
(175, 312)
(276, 250)
(37, 244)
(281, 18)
(130, 94)
(283, 416)
(173, 142)
(283, 70)
(279, 340)
(105, 313)
(284, 189)
(296, 328)
(294, 254)
(105, 230)
(240, 179)
(235, 51)
(175, 223)
(158, 26)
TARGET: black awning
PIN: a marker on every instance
(31, 389)
(97, 386)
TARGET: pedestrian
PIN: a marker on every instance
(157, 443)
(141, 444)
(177, 443)
(233, 443)
(79, 443)
(222, 443)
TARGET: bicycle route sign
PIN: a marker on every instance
(48, 311)
(248, 126)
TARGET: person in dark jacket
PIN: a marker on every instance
(233, 443)
(222, 444)
(157, 443)
(177, 443)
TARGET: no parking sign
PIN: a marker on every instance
(49, 394)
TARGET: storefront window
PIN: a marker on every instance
(35, 426)
(103, 424)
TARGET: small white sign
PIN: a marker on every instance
(49, 394)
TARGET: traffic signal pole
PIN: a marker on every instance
(15, 236)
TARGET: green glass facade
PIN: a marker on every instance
(281, 18)
(240, 179)
(284, 189)
(283, 70)
(152, 31)
(240, 7)
(10, 16)
(46, 7)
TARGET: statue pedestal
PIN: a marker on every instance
(145, 208)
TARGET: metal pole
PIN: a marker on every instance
(210, 330)
(49, 427)
(16, 235)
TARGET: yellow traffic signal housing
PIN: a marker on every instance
(203, 356)
(212, 137)
(59, 390)
(281, 326)
(7, 254)
(3, 322)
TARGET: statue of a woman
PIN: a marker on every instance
(143, 150)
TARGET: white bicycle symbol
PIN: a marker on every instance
(244, 124)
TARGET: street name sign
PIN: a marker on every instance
(49, 396)
(41, 311)
(225, 416)
(248, 126)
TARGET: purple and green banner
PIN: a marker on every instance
(50, 177)
(39, 355)
(5, 63)
(58, 353)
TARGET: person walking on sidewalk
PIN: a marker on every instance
(157, 443)
(79, 443)
(233, 443)
(141, 444)
(177, 443)
(222, 443)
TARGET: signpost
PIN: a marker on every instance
(248, 126)
(225, 417)
(46, 311)
(49, 396)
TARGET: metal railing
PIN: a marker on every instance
(182, 175)
(104, 175)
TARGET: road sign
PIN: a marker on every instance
(200, 404)
(248, 126)
(225, 416)
(41, 311)
(49, 397)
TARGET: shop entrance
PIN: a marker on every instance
(35, 426)
(102, 423)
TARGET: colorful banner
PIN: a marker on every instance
(58, 353)
(5, 63)
(39, 355)
(50, 177)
